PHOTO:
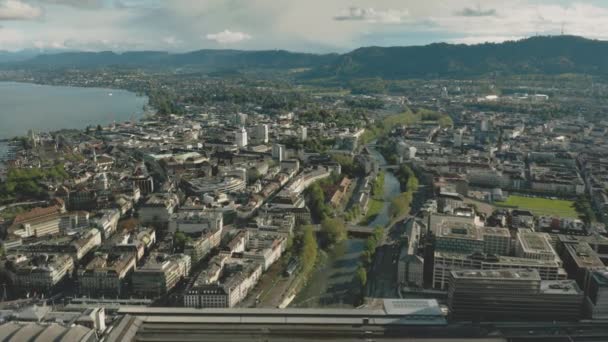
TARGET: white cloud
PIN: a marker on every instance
(310, 25)
(17, 10)
(171, 41)
(75, 3)
(471, 40)
(371, 15)
(228, 37)
(524, 20)
(10, 39)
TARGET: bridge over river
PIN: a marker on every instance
(351, 229)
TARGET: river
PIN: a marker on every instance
(43, 108)
(333, 284)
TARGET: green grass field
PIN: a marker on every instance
(541, 206)
(375, 206)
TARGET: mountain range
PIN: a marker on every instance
(539, 55)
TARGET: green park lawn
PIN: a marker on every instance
(375, 207)
(541, 206)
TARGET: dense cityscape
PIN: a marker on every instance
(426, 191)
(459, 209)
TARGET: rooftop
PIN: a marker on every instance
(497, 274)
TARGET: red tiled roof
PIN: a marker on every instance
(36, 213)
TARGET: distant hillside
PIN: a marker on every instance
(545, 55)
(206, 59)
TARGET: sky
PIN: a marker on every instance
(297, 25)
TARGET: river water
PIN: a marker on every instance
(333, 284)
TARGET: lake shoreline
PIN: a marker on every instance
(60, 107)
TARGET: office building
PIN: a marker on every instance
(579, 260)
(446, 262)
(458, 237)
(497, 241)
(278, 152)
(196, 221)
(260, 133)
(240, 137)
(532, 245)
(513, 295)
(596, 303)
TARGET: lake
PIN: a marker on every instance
(25, 106)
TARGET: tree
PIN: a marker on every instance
(362, 276)
(309, 250)
(316, 199)
(378, 233)
(253, 175)
(400, 205)
(333, 229)
(179, 241)
(445, 121)
(370, 245)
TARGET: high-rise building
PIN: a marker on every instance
(261, 133)
(513, 295)
(241, 137)
(278, 152)
(240, 119)
(302, 133)
(429, 259)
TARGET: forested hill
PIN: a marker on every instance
(203, 59)
(543, 55)
(539, 55)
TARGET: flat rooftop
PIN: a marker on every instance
(497, 274)
(584, 255)
(560, 287)
(535, 242)
(458, 230)
(391, 308)
(504, 232)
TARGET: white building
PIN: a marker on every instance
(302, 133)
(241, 137)
(278, 152)
(533, 245)
(192, 222)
